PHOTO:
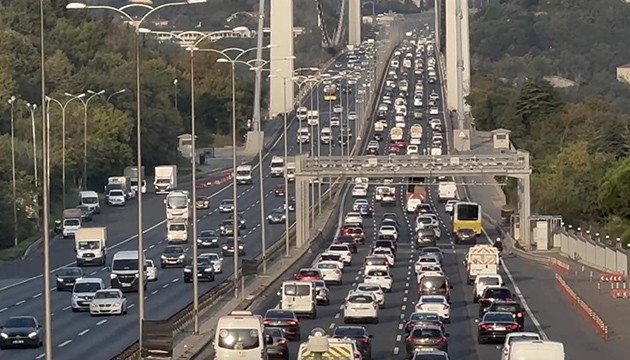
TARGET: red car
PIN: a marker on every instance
(400, 143)
(356, 232)
(308, 275)
(280, 191)
(394, 150)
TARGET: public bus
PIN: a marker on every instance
(330, 92)
(467, 215)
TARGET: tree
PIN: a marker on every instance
(537, 100)
(614, 191)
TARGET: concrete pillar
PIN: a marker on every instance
(451, 54)
(354, 22)
(524, 203)
(282, 47)
(466, 46)
(438, 30)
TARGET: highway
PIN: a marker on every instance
(77, 335)
(389, 341)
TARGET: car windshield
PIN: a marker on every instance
(72, 222)
(207, 234)
(369, 288)
(518, 338)
(238, 339)
(377, 273)
(506, 307)
(431, 299)
(349, 331)
(486, 281)
(338, 248)
(330, 257)
(431, 251)
(20, 322)
(497, 293)
(382, 252)
(70, 272)
(424, 317)
(87, 287)
(326, 266)
(496, 316)
(426, 333)
(227, 202)
(274, 332)
(421, 356)
(171, 250)
(275, 314)
(203, 262)
(149, 263)
(107, 295)
(177, 227)
(309, 273)
(360, 299)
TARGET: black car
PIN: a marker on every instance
(285, 320)
(422, 318)
(361, 337)
(424, 209)
(86, 213)
(227, 228)
(347, 240)
(378, 136)
(291, 204)
(426, 237)
(227, 249)
(21, 331)
(208, 239)
(495, 326)
(385, 244)
(277, 344)
(66, 278)
(205, 270)
(173, 255)
(342, 140)
(512, 307)
(490, 295)
(465, 236)
(202, 203)
(426, 336)
(242, 223)
(277, 216)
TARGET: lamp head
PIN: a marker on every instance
(144, 30)
(12, 100)
(222, 60)
(196, 2)
(76, 6)
(175, 82)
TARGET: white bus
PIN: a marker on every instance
(240, 335)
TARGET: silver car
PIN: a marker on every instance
(108, 301)
(151, 270)
(226, 206)
(215, 260)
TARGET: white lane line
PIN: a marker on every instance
(4, 309)
(337, 315)
(37, 295)
(64, 343)
(396, 350)
(130, 306)
(40, 356)
(84, 332)
(20, 302)
(155, 292)
(66, 308)
(101, 322)
(398, 338)
(165, 285)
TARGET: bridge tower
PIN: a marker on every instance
(354, 22)
(281, 70)
(456, 19)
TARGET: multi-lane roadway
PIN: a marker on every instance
(80, 336)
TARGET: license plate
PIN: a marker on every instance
(499, 328)
(126, 285)
(18, 341)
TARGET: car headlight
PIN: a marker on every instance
(207, 269)
(182, 256)
(60, 279)
(75, 296)
(113, 276)
(224, 247)
(32, 335)
(4, 336)
(222, 228)
(187, 270)
(137, 275)
(163, 257)
(240, 246)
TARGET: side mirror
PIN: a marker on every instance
(74, 249)
(221, 259)
(464, 262)
(165, 201)
(371, 336)
(39, 326)
(450, 286)
(109, 268)
(502, 284)
(447, 335)
(145, 268)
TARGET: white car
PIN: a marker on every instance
(353, 218)
(337, 109)
(412, 149)
(358, 203)
(415, 141)
(352, 115)
(514, 337)
(380, 277)
(449, 207)
(426, 260)
(333, 257)
(374, 289)
(331, 273)
(226, 206)
(360, 190)
(433, 110)
(386, 253)
(437, 304)
(434, 96)
(334, 121)
(435, 122)
(151, 270)
(360, 308)
(400, 124)
(484, 281)
(382, 123)
(215, 260)
(343, 251)
(388, 230)
(438, 273)
(108, 301)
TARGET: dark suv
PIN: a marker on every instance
(490, 295)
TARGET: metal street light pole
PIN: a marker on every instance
(115, 93)
(287, 239)
(32, 108)
(138, 22)
(15, 219)
(194, 193)
(63, 107)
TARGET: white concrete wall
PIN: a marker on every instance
(354, 22)
(451, 55)
(466, 47)
(282, 41)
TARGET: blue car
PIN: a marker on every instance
(366, 211)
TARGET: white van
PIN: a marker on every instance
(244, 174)
(536, 350)
(83, 292)
(312, 117)
(240, 335)
(277, 166)
(303, 135)
(299, 297)
(325, 137)
(90, 199)
(301, 112)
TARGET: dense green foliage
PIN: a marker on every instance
(88, 50)
(579, 136)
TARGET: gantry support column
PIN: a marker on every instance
(354, 22)
(302, 215)
(524, 204)
(282, 48)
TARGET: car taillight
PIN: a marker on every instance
(267, 322)
(505, 352)
(441, 340)
(357, 356)
(485, 327)
(409, 326)
(291, 322)
(485, 301)
(508, 299)
(519, 315)
(282, 341)
(412, 340)
(512, 327)
(365, 341)
(446, 306)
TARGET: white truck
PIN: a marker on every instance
(244, 175)
(290, 174)
(447, 190)
(312, 117)
(481, 260)
(71, 222)
(132, 173)
(165, 179)
(277, 166)
(90, 200)
(396, 133)
(536, 350)
(122, 183)
(176, 231)
(90, 245)
(178, 205)
(436, 151)
(416, 131)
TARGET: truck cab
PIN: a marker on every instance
(244, 175)
(178, 205)
(90, 200)
(177, 231)
(71, 222)
(290, 172)
(124, 271)
(116, 197)
(277, 166)
(90, 245)
(165, 179)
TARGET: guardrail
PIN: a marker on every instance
(584, 309)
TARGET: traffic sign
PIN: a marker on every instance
(611, 277)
